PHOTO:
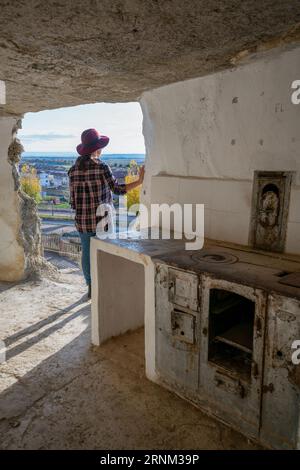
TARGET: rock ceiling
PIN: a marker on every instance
(69, 52)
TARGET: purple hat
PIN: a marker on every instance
(91, 140)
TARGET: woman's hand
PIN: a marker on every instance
(141, 174)
(138, 182)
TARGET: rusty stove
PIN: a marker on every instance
(225, 324)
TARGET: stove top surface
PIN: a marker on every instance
(246, 267)
(237, 264)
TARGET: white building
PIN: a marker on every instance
(45, 179)
(58, 181)
(52, 181)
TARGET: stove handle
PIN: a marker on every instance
(254, 368)
(241, 389)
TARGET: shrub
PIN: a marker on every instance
(133, 196)
(30, 183)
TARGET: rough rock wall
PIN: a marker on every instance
(12, 256)
(68, 52)
(30, 231)
(20, 244)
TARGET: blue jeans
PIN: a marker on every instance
(85, 258)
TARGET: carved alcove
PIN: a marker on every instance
(270, 208)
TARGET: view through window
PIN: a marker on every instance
(50, 138)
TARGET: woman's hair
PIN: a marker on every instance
(83, 162)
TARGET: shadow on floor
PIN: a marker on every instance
(4, 286)
(83, 397)
(36, 326)
(20, 348)
(61, 262)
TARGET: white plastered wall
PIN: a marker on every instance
(12, 258)
(104, 325)
(205, 137)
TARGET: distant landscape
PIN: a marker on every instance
(63, 160)
(51, 170)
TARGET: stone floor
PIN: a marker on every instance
(59, 392)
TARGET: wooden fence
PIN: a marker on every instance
(54, 242)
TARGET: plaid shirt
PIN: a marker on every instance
(88, 189)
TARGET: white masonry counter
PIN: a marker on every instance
(123, 290)
(2, 93)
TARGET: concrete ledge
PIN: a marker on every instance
(2, 93)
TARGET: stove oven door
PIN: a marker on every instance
(176, 329)
(280, 426)
(231, 352)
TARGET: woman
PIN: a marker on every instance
(91, 184)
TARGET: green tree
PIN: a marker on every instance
(30, 182)
(133, 196)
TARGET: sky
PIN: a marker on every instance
(60, 130)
